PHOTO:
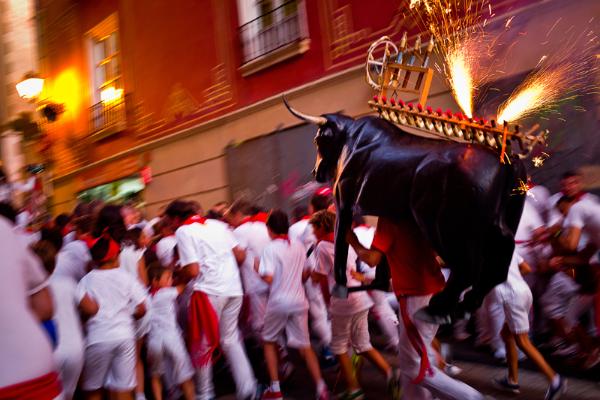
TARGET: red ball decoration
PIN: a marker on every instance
(410, 105)
(401, 102)
(439, 111)
(429, 110)
(420, 107)
(384, 99)
(449, 113)
(393, 102)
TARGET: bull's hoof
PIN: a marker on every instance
(339, 291)
(426, 314)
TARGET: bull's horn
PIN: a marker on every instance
(304, 117)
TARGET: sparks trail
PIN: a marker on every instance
(561, 76)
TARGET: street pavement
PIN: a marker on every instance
(479, 375)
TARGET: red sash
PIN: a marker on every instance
(203, 329)
(330, 237)
(260, 217)
(416, 341)
(46, 387)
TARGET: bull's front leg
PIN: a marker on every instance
(343, 223)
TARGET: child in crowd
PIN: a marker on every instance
(106, 295)
(74, 258)
(68, 353)
(516, 298)
(349, 324)
(131, 259)
(283, 268)
(165, 343)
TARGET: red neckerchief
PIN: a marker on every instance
(364, 226)
(260, 217)
(282, 237)
(203, 330)
(579, 195)
(194, 219)
(330, 237)
(154, 290)
(306, 217)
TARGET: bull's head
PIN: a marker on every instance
(330, 140)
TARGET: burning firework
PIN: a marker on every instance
(555, 79)
(458, 28)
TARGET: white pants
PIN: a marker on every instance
(439, 384)
(110, 365)
(350, 330)
(489, 320)
(228, 311)
(167, 350)
(319, 321)
(386, 317)
(258, 309)
(69, 359)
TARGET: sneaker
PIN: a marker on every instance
(554, 393)
(394, 385)
(452, 370)
(271, 395)
(355, 395)
(327, 359)
(504, 384)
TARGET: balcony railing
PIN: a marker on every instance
(107, 118)
(274, 30)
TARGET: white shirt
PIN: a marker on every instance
(129, 259)
(25, 351)
(66, 315)
(530, 221)
(163, 320)
(356, 301)
(365, 235)
(117, 292)
(253, 237)
(555, 216)
(285, 262)
(72, 260)
(165, 249)
(585, 215)
(210, 245)
(297, 229)
(514, 278)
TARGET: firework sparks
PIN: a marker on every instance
(538, 161)
(457, 27)
(521, 189)
(555, 79)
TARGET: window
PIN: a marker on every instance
(107, 113)
(104, 57)
(271, 31)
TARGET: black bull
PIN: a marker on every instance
(460, 196)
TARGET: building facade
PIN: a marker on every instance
(164, 89)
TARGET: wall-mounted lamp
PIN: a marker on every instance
(30, 87)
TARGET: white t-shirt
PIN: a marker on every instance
(253, 237)
(117, 293)
(210, 245)
(297, 230)
(163, 320)
(356, 301)
(555, 216)
(72, 260)
(165, 250)
(25, 351)
(585, 215)
(66, 315)
(365, 235)
(514, 278)
(129, 259)
(285, 262)
(531, 220)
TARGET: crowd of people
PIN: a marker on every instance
(102, 300)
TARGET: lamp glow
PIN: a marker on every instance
(30, 87)
(110, 94)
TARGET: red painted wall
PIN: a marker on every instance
(180, 59)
